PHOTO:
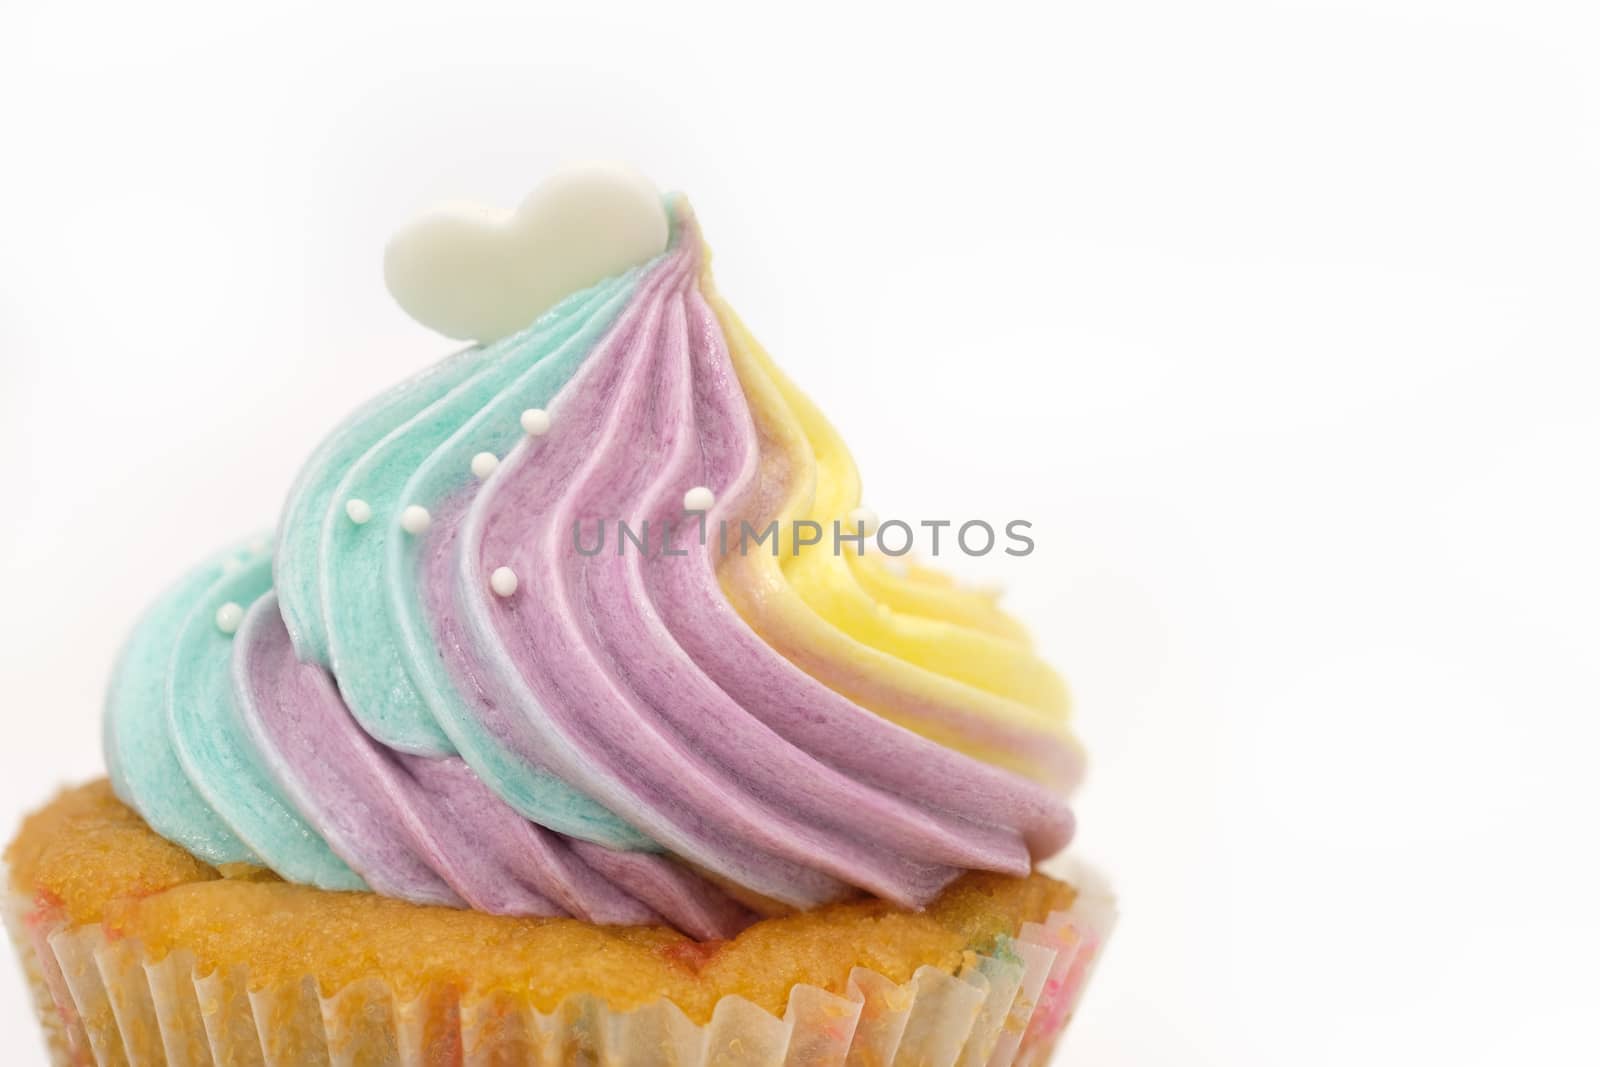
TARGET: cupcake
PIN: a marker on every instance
(574, 713)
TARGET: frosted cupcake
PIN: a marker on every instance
(569, 717)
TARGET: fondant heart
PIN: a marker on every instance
(477, 274)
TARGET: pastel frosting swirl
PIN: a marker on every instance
(688, 735)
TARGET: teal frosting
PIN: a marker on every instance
(533, 791)
(216, 752)
(295, 570)
(145, 771)
(176, 745)
(175, 742)
(357, 562)
(348, 593)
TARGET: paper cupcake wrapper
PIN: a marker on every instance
(104, 1001)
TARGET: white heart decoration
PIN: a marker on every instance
(477, 274)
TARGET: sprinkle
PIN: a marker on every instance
(484, 463)
(359, 510)
(699, 499)
(536, 422)
(866, 518)
(229, 616)
(415, 519)
(503, 581)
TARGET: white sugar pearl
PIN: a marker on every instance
(536, 422)
(866, 518)
(229, 616)
(359, 510)
(415, 519)
(503, 581)
(484, 463)
(699, 499)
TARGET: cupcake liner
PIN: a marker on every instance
(102, 1000)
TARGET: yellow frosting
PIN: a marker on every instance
(896, 644)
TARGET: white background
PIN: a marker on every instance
(1279, 320)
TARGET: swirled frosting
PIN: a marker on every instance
(682, 734)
